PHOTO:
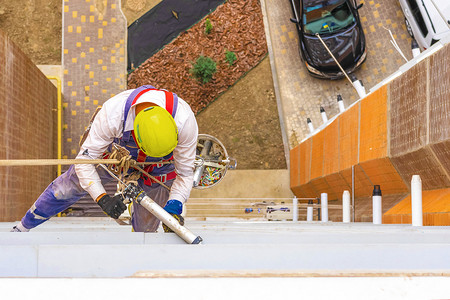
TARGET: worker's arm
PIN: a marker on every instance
(106, 126)
(184, 157)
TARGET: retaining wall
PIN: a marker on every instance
(400, 129)
(28, 126)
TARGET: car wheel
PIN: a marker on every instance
(408, 28)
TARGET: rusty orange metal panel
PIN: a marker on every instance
(348, 137)
(331, 148)
(338, 184)
(424, 163)
(309, 191)
(373, 127)
(317, 155)
(294, 166)
(382, 172)
(305, 161)
(321, 186)
(363, 186)
(408, 110)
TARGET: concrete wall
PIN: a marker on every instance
(28, 103)
(400, 129)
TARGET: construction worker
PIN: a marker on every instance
(154, 125)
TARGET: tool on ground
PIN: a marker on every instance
(134, 192)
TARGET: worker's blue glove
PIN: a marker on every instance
(175, 208)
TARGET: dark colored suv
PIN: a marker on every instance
(338, 24)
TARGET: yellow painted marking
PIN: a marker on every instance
(83, 54)
(388, 21)
(100, 17)
(121, 41)
(383, 69)
(86, 98)
(74, 151)
(100, 61)
(113, 51)
(69, 140)
(283, 39)
(74, 14)
(121, 86)
(87, 38)
(78, 44)
(74, 112)
(64, 156)
(77, 103)
(113, 59)
(86, 111)
(378, 44)
(104, 68)
(283, 28)
(86, 88)
(91, 50)
(66, 71)
(92, 8)
(283, 51)
(291, 35)
(70, 28)
(375, 71)
(104, 48)
(122, 51)
(100, 33)
(91, 19)
(108, 79)
(69, 83)
(377, 5)
(91, 74)
(104, 23)
(95, 102)
(384, 60)
(113, 20)
(66, 51)
(83, 19)
(113, 6)
(78, 29)
(74, 93)
(65, 105)
(121, 59)
(117, 45)
(372, 28)
(117, 79)
(104, 91)
(95, 82)
(87, 67)
(376, 14)
(66, 8)
(112, 95)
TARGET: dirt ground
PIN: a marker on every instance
(245, 118)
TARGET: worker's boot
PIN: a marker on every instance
(19, 228)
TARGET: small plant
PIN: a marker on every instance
(208, 26)
(230, 57)
(204, 69)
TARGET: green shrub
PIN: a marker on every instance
(230, 57)
(203, 69)
(208, 26)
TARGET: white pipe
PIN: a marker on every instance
(340, 103)
(309, 212)
(376, 205)
(359, 87)
(415, 48)
(294, 209)
(416, 201)
(310, 125)
(346, 207)
(324, 115)
(324, 206)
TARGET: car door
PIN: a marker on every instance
(413, 14)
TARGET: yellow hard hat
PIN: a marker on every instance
(156, 131)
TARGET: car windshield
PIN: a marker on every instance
(326, 16)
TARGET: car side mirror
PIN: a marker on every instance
(360, 5)
(294, 21)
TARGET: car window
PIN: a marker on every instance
(326, 16)
(418, 16)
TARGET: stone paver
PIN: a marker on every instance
(94, 62)
(302, 95)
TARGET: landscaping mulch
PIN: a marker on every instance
(237, 26)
